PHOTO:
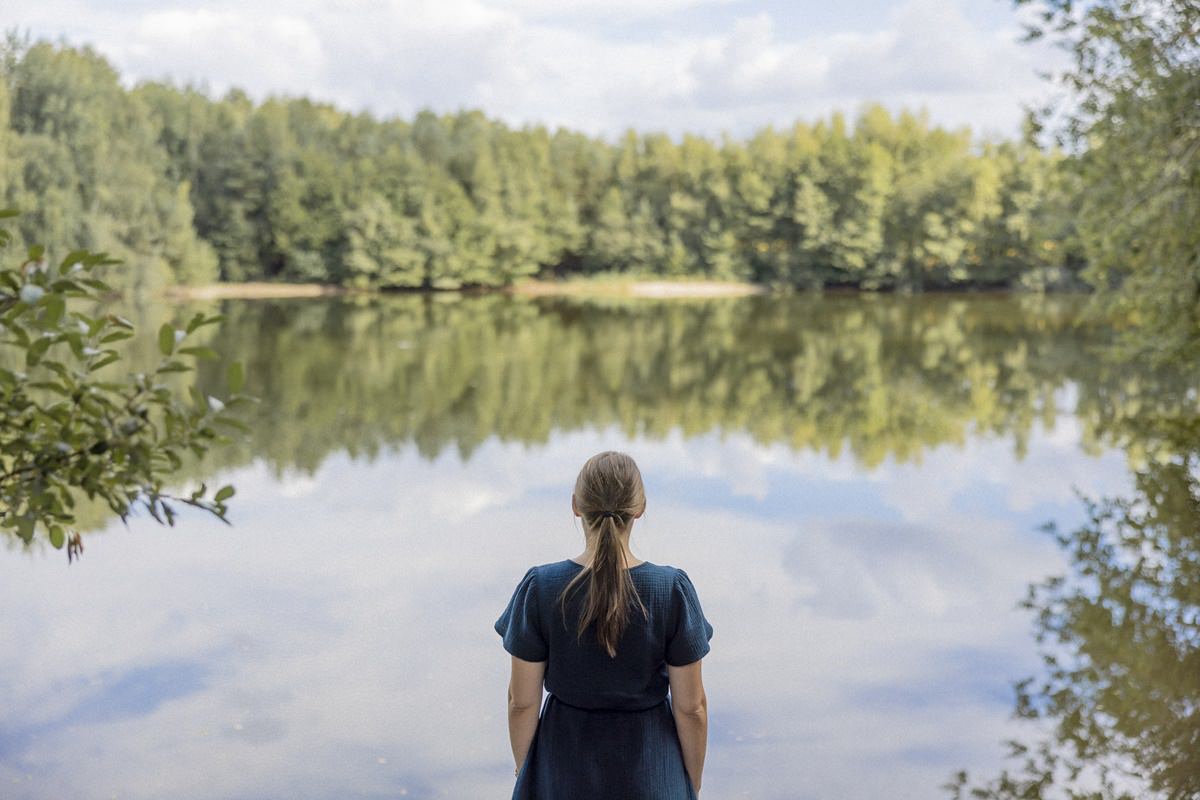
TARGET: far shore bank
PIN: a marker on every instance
(530, 288)
(575, 287)
(638, 288)
(251, 290)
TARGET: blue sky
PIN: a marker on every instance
(601, 66)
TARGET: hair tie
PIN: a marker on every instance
(612, 514)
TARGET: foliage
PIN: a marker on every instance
(188, 188)
(68, 428)
(1120, 634)
(1134, 120)
(81, 154)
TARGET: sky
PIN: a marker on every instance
(600, 66)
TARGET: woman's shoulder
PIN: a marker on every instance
(554, 568)
(667, 577)
(663, 570)
(660, 575)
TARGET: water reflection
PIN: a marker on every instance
(1120, 633)
(880, 377)
(853, 486)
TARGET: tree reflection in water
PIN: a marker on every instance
(1120, 640)
(879, 378)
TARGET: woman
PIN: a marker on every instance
(609, 635)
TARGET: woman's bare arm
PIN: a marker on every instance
(689, 705)
(524, 701)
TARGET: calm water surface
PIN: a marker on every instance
(855, 486)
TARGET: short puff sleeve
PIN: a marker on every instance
(687, 638)
(520, 624)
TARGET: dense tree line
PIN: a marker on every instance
(188, 188)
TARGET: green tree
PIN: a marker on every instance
(1134, 122)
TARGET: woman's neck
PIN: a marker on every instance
(590, 551)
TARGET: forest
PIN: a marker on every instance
(188, 189)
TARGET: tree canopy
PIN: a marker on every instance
(188, 188)
(1132, 117)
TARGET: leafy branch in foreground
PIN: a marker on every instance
(63, 429)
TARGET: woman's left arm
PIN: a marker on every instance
(524, 702)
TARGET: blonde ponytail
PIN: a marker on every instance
(608, 495)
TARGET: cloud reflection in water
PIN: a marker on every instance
(337, 641)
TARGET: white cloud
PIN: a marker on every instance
(204, 44)
(532, 61)
(750, 67)
(928, 46)
(626, 9)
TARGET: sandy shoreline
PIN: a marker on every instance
(638, 288)
(532, 288)
(252, 289)
(580, 287)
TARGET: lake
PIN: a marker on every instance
(855, 484)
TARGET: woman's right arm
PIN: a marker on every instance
(689, 705)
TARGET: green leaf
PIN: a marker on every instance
(166, 339)
(56, 304)
(19, 332)
(57, 537)
(6, 213)
(74, 257)
(235, 376)
(25, 528)
(75, 340)
(36, 252)
(35, 352)
(200, 352)
(112, 356)
(233, 423)
(66, 286)
(195, 322)
(52, 386)
(224, 493)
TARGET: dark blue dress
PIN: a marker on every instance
(606, 729)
